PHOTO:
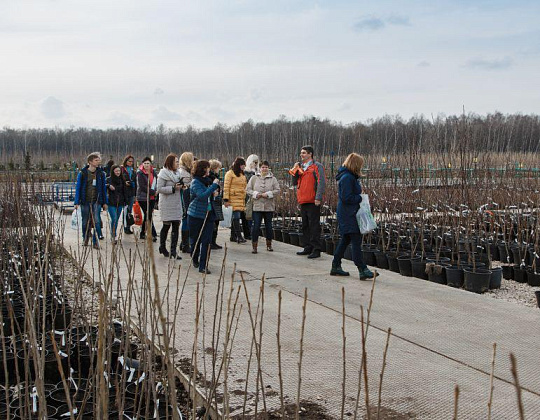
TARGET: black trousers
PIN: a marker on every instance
(311, 226)
(148, 212)
(175, 224)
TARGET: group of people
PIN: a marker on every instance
(191, 197)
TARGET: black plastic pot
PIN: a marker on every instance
(496, 278)
(419, 269)
(294, 238)
(323, 243)
(405, 265)
(382, 260)
(477, 281)
(533, 278)
(454, 276)
(517, 254)
(537, 294)
(520, 274)
(507, 272)
(27, 413)
(503, 254)
(393, 263)
(368, 255)
(278, 236)
(436, 273)
(330, 246)
(286, 236)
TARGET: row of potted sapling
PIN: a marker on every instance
(55, 367)
(457, 248)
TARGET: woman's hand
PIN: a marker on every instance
(112, 187)
(216, 181)
(264, 195)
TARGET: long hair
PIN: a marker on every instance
(169, 161)
(354, 163)
(128, 157)
(186, 160)
(239, 161)
(200, 167)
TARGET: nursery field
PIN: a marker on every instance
(123, 331)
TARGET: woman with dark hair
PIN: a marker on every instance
(215, 168)
(146, 194)
(234, 194)
(169, 188)
(116, 190)
(130, 180)
(349, 198)
(201, 215)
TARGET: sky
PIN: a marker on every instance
(116, 63)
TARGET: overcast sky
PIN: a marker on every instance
(110, 63)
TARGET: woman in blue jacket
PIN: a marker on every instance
(349, 198)
(201, 214)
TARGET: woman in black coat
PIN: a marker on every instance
(117, 192)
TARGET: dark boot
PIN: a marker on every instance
(254, 244)
(238, 231)
(184, 245)
(315, 254)
(337, 270)
(269, 245)
(365, 273)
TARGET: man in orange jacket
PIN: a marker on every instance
(308, 176)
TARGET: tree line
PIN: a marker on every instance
(281, 140)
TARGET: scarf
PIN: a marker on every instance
(207, 181)
(168, 175)
(150, 178)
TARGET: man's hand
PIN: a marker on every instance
(317, 202)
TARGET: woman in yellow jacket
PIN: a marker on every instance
(234, 194)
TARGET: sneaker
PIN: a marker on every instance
(128, 232)
(366, 274)
(101, 237)
(304, 252)
(175, 257)
(205, 270)
(315, 254)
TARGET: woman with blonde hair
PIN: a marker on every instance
(185, 166)
(349, 198)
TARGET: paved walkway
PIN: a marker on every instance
(441, 337)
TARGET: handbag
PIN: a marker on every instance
(130, 220)
(249, 209)
(217, 204)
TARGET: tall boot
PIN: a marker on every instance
(269, 245)
(184, 243)
(238, 231)
(254, 244)
(163, 239)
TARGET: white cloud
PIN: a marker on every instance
(162, 114)
(53, 108)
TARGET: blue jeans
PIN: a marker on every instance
(115, 213)
(200, 245)
(258, 217)
(355, 239)
(90, 218)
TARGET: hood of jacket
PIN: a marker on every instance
(342, 171)
(168, 175)
(268, 175)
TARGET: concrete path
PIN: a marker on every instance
(441, 337)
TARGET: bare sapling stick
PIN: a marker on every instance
(491, 375)
(225, 345)
(456, 402)
(513, 368)
(382, 372)
(364, 365)
(194, 352)
(344, 352)
(280, 372)
(301, 355)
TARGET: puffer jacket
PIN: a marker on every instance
(170, 204)
(201, 198)
(144, 190)
(234, 191)
(349, 198)
(259, 184)
(310, 183)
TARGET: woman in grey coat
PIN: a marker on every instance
(169, 187)
(262, 188)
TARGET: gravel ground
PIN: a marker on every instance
(519, 293)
